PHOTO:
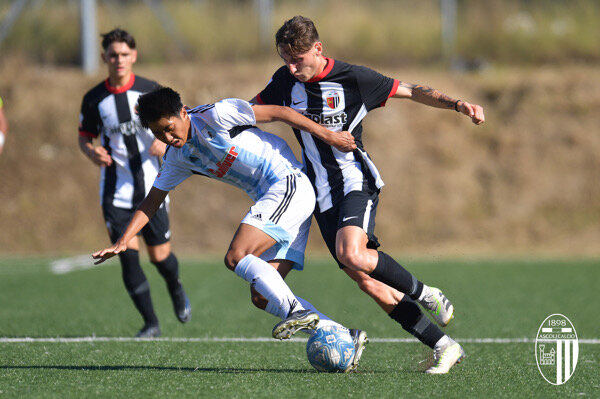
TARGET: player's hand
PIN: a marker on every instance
(157, 149)
(474, 111)
(343, 141)
(109, 252)
(100, 156)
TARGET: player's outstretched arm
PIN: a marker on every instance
(141, 217)
(428, 96)
(343, 141)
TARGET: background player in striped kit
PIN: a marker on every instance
(339, 95)
(219, 141)
(129, 158)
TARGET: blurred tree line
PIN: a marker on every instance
(383, 31)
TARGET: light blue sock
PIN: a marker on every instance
(323, 320)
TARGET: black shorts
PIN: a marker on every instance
(156, 232)
(358, 208)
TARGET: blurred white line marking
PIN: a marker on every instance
(67, 265)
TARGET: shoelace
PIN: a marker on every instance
(432, 303)
(438, 353)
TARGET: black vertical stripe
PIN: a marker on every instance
(133, 152)
(369, 182)
(274, 217)
(110, 177)
(290, 190)
(334, 174)
(310, 171)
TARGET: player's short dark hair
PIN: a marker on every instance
(296, 35)
(161, 102)
(117, 35)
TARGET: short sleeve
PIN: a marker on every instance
(89, 120)
(233, 112)
(374, 87)
(273, 93)
(171, 174)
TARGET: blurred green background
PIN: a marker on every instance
(384, 31)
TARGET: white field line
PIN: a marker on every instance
(20, 340)
(74, 263)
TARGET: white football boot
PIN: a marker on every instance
(446, 354)
(438, 305)
(360, 339)
(300, 320)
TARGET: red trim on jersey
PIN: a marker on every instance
(260, 100)
(122, 89)
(393, 91)
(83, 133)
(328, 68)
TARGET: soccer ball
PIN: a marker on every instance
(330, 349)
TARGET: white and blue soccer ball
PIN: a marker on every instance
(330, 349)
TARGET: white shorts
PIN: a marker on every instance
(284, 213)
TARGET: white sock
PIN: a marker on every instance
(424, 292)
(323, 320)
(268, 282)
(445, 340)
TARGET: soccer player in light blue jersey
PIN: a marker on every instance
(220, 141)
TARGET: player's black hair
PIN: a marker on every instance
(155, 104)
(117, 35)
(296, 35)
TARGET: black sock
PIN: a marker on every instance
(390, 272)
(137, 285)
(169, 269)
(412, 319)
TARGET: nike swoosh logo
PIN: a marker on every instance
(348, 218)
(297, 102)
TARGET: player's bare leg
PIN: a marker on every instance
(386, 297)
(248, 243)
(352, 251)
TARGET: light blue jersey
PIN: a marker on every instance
(225, 146)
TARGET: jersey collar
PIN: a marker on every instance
(328, 68)
(122, 89)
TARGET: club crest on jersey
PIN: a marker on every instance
(332, 99)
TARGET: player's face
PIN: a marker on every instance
(120, 59)
(172, 130)
(307, 65)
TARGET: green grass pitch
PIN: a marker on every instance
(493, 299)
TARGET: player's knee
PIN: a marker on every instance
(257, 299)
(232, 258)
(351, 257)
(159, 253)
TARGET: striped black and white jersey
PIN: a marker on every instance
(338, 98)
(109, 112)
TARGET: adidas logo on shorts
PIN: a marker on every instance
(258, 216)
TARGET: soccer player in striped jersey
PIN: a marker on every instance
(338, 96)
(129, 158)
(220, 141)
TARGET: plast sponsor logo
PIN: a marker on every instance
(329, 120)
